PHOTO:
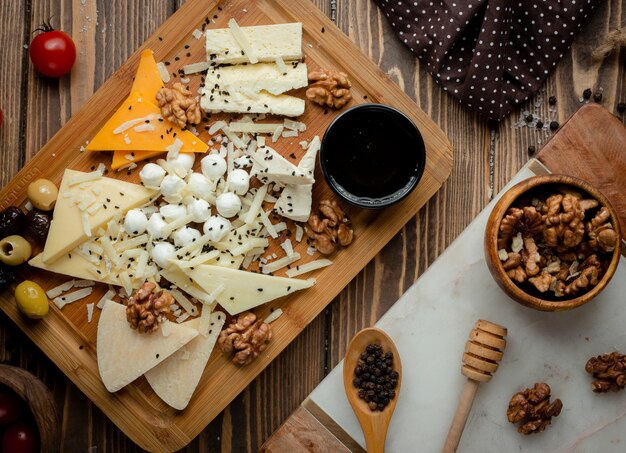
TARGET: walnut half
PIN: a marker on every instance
(145, 308)
(329, 88)
(178, 105)
(329, 227)
(533, 409)
(245, 338)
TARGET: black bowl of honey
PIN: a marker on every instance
(372, 156)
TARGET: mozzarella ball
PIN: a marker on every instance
(185, 236)
(172, 185)
(200, 185)
(162, 253)
(216, 228)
(213, 166)
(172, 211)
(239, 181)
(151, 175)
(228, 204)
(157, 227)
(200, 210)
(182, 160)
(135, 222)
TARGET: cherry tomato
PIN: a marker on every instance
(20, 438)
(52, 52)
(10, 407)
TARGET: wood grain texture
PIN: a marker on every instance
(269, 400)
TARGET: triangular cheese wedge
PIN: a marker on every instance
(124, 132)
(125, 354)
(75, 265)
(269, 165)
(83, 207)
(244, 290)
(176, 379)
(147, 81)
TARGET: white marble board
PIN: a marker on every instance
(430, 324)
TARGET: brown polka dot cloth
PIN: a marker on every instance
(489, 54)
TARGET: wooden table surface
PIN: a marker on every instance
(486, 155)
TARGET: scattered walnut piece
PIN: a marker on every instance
(533, 409)
(329, 227)
(563, 221)
(146, 308)
(329, 88)
(245, 338)
(601, 232)
(609, 370)
(178, 105)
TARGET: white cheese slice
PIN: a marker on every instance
(125, 354)
(66, 229)
(176, 379)
(254, 78)
(77, 266)
(244, 290)
(262, 102)
(267, 42)
(269, 165)
(295, 200)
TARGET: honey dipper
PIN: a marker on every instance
(483, 351)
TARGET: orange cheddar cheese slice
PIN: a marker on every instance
(147, 79)
(122, 159)
(138, 125)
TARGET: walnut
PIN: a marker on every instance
(524, 220)
(145, 308)
(609, 370)
(178, 106)
(601, 232)
(331, 89)
(246, 337)
(518, 274)
(533, 409)
(531, 257)
(589, 274)
(329, 227)
(513, 261)
(563, 221)
(543, 281)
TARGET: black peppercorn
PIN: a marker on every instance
(356, 382)
(361, 393)
(529, 118)
(587, 93)
(373, 405)
(531, 149)
(552, 100)
(374, 377)
(370, 360)
(394, 375)
(621, 107)
(597, 96)
(554, 125)
(539, 124)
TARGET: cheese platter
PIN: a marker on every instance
(186, 185)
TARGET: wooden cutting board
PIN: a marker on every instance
(591, 145)
(66, 336)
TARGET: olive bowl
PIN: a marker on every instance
(39, 400)
(546, 185)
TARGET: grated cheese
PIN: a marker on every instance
(241, 39)
(72, 297)
(130, 123)
(287, 247)
(126, 282)
(84, 218)
(299, 233)
(280, 263)
(282, 67)
(144, 128)
(196, 67)
(182, 300)
(308, 267)
(165, 75)
(268, 224)
(287, 134)
(252, 128)
(256, 204)
(196, 34)
(94, 208)
(233, 137)
(89, 312)
(273, 316)
(216, 127)
(108, 295)
(249, 245)
(182, 318)
(131, 243)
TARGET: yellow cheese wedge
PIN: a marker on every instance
(75, 265)
(147, 79)
(82, 208)
(120, 158)
(125, 354)
(119, 133)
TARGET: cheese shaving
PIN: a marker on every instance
(196, 67)
(249, 245)
(89, 312)
(84, 177)
(196, 34)
(84, 218)
(166, 327)
(287, 247)
(280, 263)
(216, 127)
(58, 290)
(308, 267)
(205, 320)
(252, 128)
(282, 67)
(299, 233)
(287, 134)
(200, 259)
(174, 149)
(294, 125)
(182, 318)
(243, 42)
(126, 282)
(108, 295)
(233, 137)
(268, 224)
(165, 75)
(72, 297)
(130, 123)
(256, 204)
(273, 316)
(187, 305)
(277, 133)
(144, 128)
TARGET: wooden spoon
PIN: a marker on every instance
(373, 423)
(483, 352)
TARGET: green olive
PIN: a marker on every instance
(14, 250)
(42, 193)
(31, 299)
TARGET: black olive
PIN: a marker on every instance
(7, 275)
(11, 221)
(37, 225)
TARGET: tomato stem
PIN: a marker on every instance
(45, 27)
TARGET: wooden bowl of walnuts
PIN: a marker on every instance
(552, 242)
